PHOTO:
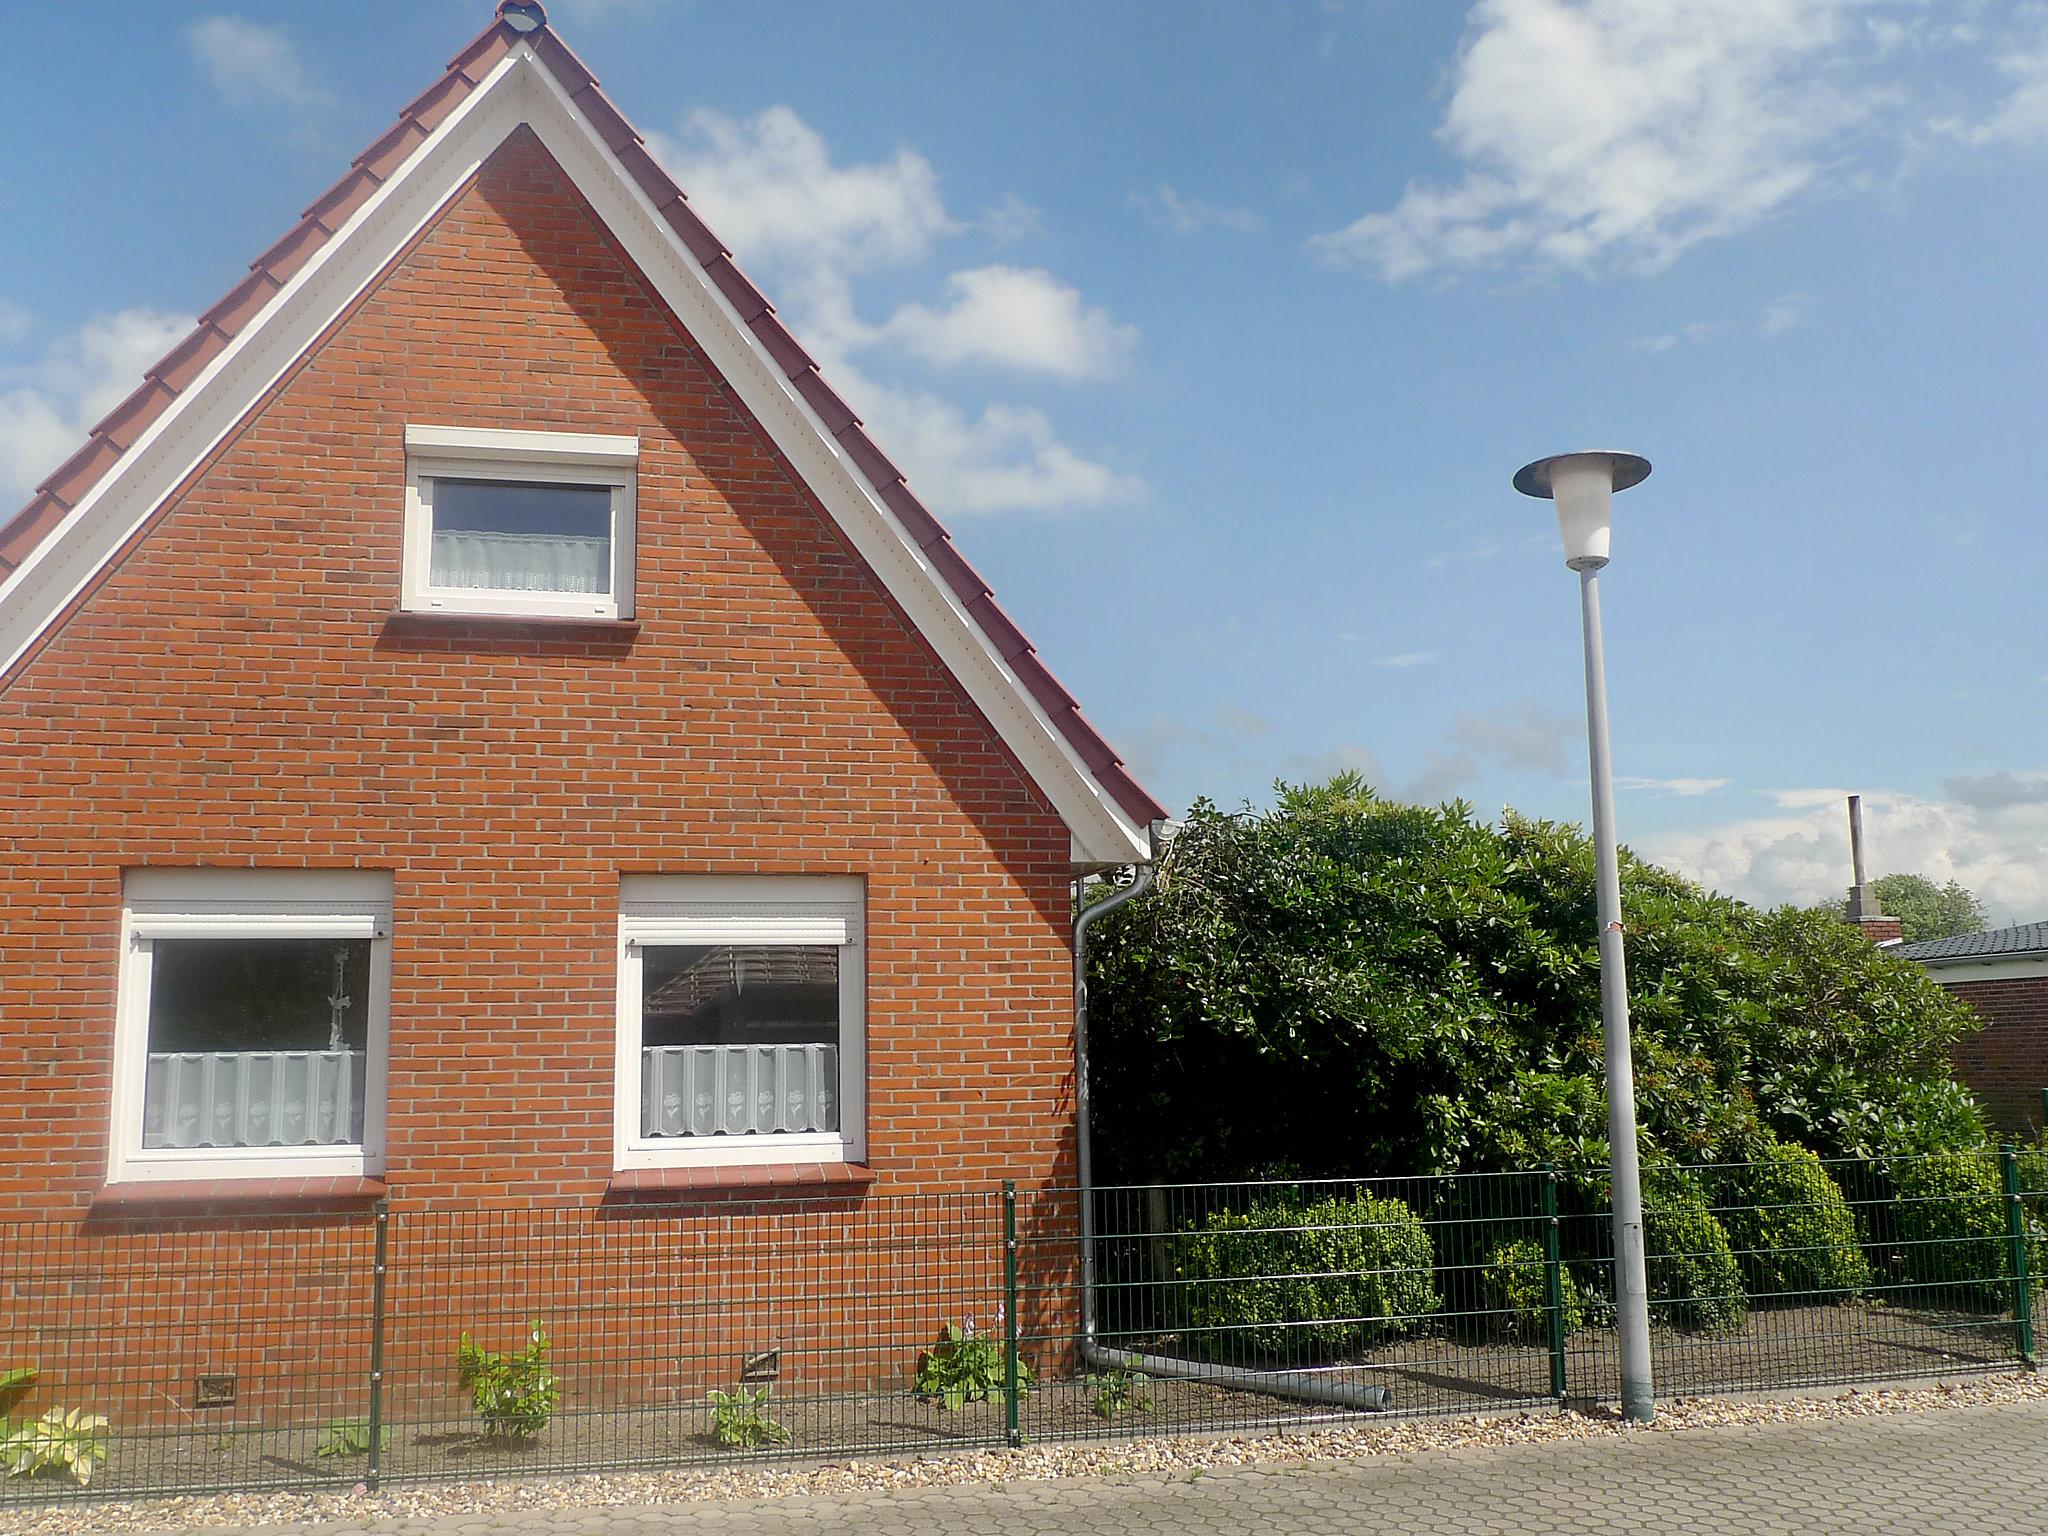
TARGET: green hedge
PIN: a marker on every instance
(1792, 1226)
(1512, 1292)
(1695, 1283)
(1952, 1227)
(1349, 1272)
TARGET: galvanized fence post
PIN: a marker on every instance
(380, 1254)
(1013, 1434)
(2016, 1238)
(1553, 1284)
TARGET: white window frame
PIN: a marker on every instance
(546, 458)
(249, 903)
(742, 909)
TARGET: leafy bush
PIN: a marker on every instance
(1119, 1388)
(1695, 1283)
(739, 1419)
(1307, 1280)
(1793, 1226)
(1512, 1291)
(962, 1366)
(514, 1394)
(73, 1443)
(1952, 1227)
(349, 1437)
(1344, 984)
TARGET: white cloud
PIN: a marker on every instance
(1696, 332)
(1009, 220)
(47, 407)
(1485, 549)
(1801, 854)
(2021, 116)
(254, 65)
(1405, 659)
(771, 188)
(14, 321)
(1673, 786)
(1016, 317)
(1784, 315)
(1005, 458)
(1518, 734)
(1182, 215)
(1602, 134)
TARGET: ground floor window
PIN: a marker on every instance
(251, 1024)
(740, 1021)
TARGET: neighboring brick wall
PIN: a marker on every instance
(2006, 1062)
(238, 692)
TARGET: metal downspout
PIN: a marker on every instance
(1300, 1388)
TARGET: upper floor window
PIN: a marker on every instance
(538, 524)
(250, 1025)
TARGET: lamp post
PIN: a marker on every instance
(1583, 487)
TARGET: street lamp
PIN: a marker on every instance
(1583, 486)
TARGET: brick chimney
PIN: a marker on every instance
(1864, 911)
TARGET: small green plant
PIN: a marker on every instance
(1119, 1388)
(514, 1394)
(1516, 1296)
(72, 1442)
(739, 1418)
(963, 1367)
(350, 1437)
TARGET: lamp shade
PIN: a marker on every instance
(1583, 486)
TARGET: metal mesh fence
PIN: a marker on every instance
(445, 1343)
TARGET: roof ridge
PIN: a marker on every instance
(168, 378)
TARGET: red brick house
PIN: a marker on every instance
(484, 725)
(2003, 975)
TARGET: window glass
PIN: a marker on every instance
(739, 1039)
(521, 536)
(256, 1042)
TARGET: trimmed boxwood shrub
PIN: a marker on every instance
(1512, 1291)
(1792, 1227)
(1695, 1283)
(1351, 1271)
(1951, 1225)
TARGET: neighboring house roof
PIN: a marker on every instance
(39, 575)
(2023, 939)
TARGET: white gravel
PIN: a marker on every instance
(1157, 1457)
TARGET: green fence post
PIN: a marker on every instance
(1013, 1434)
(375, 1449)
(1553, 1284)
(2016, 1238)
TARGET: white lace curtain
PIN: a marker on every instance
(253, 1099)
(521, 562)
(735, 1090)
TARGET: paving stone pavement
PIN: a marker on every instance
(1981, 1470)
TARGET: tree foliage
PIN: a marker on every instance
(1344, 985)
(1926, 910)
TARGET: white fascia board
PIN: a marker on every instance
(1100, 828)
(520, 90)
(222, 395)
(2026, 967)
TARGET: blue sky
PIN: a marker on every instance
(1216, 330)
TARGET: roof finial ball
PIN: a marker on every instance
(522, 15)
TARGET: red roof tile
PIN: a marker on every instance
(327, 213)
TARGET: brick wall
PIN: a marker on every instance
(2006, 1062)
(238, 691)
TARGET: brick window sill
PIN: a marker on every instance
(761, 1180)
(233, 1196)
